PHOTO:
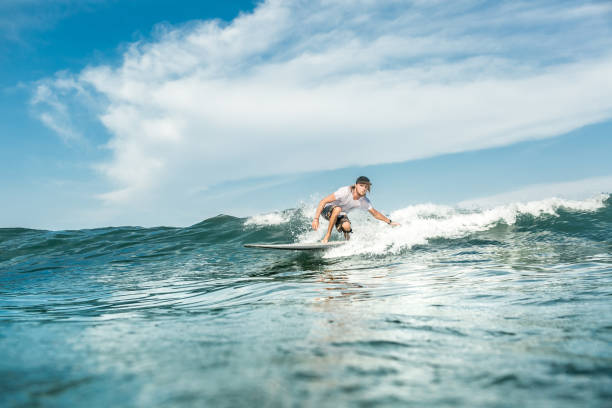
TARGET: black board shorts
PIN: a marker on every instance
(342, 217)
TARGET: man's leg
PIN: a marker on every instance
(346, 227)
(332, 222)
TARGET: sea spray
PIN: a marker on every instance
(422, 222)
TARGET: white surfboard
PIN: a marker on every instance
(297, 246)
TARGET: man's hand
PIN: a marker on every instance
(315, 224)
(395, 224)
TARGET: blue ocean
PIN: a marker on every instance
(505, 306)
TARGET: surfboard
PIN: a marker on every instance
(297, 246)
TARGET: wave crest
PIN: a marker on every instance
(424, 222)
(275, 218)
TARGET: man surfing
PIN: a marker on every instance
(335, 206)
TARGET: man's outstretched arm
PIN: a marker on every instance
(381, 217)
(326, 200)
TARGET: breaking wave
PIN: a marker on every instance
(422, 226)
(423, 223)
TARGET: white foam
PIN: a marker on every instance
(422, 222)
(274, 218)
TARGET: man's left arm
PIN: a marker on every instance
(381, 217)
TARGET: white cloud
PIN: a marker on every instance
(300, 86)
(58, 101)
(20, 16)
(578, 189)
(56, 114)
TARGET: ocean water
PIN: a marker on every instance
(508, 306)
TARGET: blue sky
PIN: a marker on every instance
(165, 113)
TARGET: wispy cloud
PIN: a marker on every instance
(20, 16)
(300, 86)
(58, 101)
(578, 189)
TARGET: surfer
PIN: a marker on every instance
(335, 206)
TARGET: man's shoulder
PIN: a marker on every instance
(344, 190)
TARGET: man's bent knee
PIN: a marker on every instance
(346, 226)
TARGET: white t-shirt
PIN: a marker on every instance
(344, 199)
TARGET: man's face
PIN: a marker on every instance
(362, 188)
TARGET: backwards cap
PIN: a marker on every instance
(363, 180)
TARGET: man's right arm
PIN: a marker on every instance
(326, 200)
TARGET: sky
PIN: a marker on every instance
(133, 112)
